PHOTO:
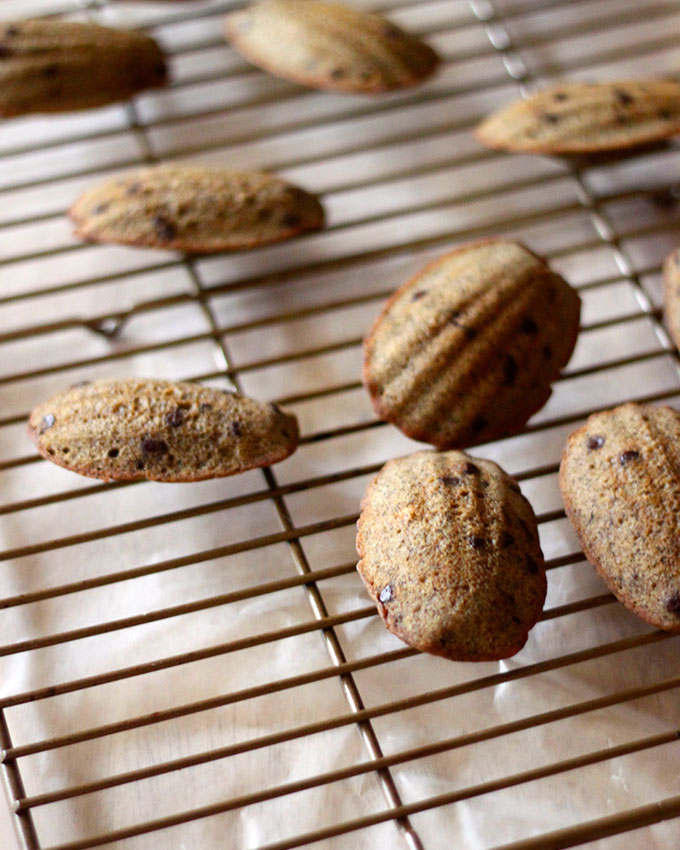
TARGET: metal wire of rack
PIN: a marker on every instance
(197, 666)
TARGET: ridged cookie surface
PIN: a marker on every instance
(450, 553)
(197, 209)
(160, 430)
(620, 480)
(58, 66)
(466, 351)
(578, 118)
(329, 46)
(671, 275)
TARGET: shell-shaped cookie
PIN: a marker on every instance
(133, 428)
(50, 65)
(466, 351)
(580, 118)
(450, 554)
(671, 276)
(329, 46)
(620, 481)
(195, 209)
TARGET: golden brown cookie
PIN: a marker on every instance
(137, 428)
(671, 276)
(49, 65)
(329, 46)
(450, 554)
(620, 481)
(194, 208)
(581, 118)
(466, 351)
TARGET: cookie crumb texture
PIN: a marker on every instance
(620, 481)
(671, 278)
(329, 46)
(466, 351)
(134, 429)
(450, 554)
(59, 66)
(195, 209)
(579, 118)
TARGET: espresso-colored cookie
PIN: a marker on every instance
(450, 554)
(49, 65)
(160, 430)
(620, 481)
(196, 209)
(329, 46)
(466, 351)
(671, 275)
(580, 118)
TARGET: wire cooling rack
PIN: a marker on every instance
(197, 666)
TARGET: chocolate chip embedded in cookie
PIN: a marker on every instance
(133, 429)
(620, 481)
(450, 554)
(49, 65)
(329, 46)
(579, 118)
(195, 209)
(671, 276)
(466, 351)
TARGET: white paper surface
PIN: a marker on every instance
(380, 194)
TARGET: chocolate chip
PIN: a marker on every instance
(450, 480)
(665, 114)
(509, 370)
(560, 96)
(595, 442)
(235, 429)
(551, 118)
(532, 566)
(470, 333)
(152, 446)
(528, 326)
(164, 228)
(5, 51)
(12, 31)
(139, 464)
(479, 425)
(506, 540)
(470, 469)
(623, 97)
(291, 220)
(113, 453)
(50, 70)
(627, 457)
(673, 604)
(47, 422)
(547, 352)
(476, 542)
(338, 73)
(175, 417)
(421, 293)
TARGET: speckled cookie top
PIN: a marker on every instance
(50, 65)
(131, 429)
(577, 118)
(329, 46)
(449, 552)
(620, 480)
(671, 277)
(196, 209)
(466, 351)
